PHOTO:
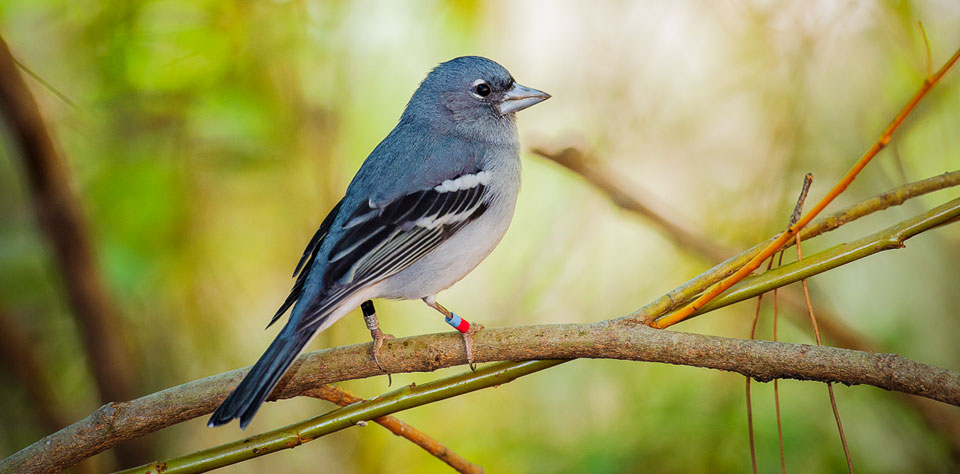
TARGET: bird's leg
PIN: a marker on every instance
(458, 323)
(373, 324)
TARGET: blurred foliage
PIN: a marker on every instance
(208, 138)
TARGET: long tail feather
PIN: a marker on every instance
(246, 399)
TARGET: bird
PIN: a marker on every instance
(428, 204)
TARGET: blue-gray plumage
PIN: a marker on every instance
(429, 204)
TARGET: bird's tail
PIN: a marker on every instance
(246, 399)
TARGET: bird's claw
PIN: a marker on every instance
(468, 345)
(378, 338)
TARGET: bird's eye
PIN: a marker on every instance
(482, 89)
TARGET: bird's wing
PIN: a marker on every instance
(306, 261)
(379, 240)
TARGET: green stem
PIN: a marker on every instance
(890, 238)
(298, 433)
(677, 297)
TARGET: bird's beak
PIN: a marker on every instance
(520, 97)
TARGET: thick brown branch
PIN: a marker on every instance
(627, 341)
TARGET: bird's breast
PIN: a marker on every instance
(462, 252)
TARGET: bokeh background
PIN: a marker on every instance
(208, 139)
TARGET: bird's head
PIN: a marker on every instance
(472, 95)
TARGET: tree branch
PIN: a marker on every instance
(890, 238)
(18, 356)
(587, 167)
(762, 360)
(678, 296)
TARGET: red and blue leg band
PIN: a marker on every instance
(458, 323)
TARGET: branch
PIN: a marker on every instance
(627, 341)
(762, 360)
(18, 355)
(343, 398)
(587, 167)
(890, 238)
(683, 293)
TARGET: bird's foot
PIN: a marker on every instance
(465, 329)
(468, 344)
(378, 338)
(373, 324)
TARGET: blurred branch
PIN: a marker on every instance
(343, 398)
(763, 360)
(61, 221)
(18, 356)
(587, 167)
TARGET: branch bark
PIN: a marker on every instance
(62, 223)
(762, 360)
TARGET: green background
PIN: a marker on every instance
(208, 139)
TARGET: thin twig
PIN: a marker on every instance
(298, 433)
(797, 209)
(848, 178)
(753, 446)
(753, 335)
(60, 95)
(776, 383)
(794, 217)
(344, 398)
(926, 44)
(816, 332)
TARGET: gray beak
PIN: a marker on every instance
(520, 97)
